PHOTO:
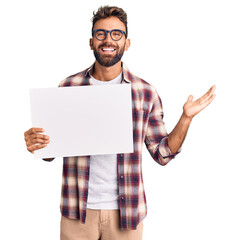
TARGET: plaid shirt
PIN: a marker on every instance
(148, 127)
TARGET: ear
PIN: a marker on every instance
(127, 44)
(91, 43)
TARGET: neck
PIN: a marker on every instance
(106, 73)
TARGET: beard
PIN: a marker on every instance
(108, 60)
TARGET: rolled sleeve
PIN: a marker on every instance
(156, 137)
(165, 151)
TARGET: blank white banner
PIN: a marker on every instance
(84, 120)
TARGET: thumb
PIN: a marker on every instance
(190, 98)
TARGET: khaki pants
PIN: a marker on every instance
(100, 224)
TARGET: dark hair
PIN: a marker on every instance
(109, 11)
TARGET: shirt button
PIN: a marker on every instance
(122, 198)
(121, 176)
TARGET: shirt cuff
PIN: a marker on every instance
(165, 151)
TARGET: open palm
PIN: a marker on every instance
(192, 108)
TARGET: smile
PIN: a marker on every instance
(108, 50)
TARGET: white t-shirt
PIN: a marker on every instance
(103, 183)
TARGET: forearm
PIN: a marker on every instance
(178, 134)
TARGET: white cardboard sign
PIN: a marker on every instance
(84, 120)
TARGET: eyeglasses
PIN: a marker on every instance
(101, 34)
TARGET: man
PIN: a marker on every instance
(103, 196)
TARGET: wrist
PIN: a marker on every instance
(186, 119)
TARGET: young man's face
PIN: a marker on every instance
(108, 52)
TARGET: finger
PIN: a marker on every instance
(212, 90)
(33, 148)
(33, 130)
(36, 135)
(36, 140)
(208, 94)
(208, 101)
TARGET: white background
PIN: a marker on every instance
(180, 47)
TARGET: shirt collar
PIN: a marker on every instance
(126, 74)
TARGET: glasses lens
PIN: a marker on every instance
(100, 35)
(116, 35)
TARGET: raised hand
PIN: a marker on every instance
(192, 108)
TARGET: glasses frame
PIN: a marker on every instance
(106, 33)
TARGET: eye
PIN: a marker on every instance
(100, 33)
(116, 33)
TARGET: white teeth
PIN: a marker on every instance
(108, 49)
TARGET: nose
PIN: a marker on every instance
(108, 37)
